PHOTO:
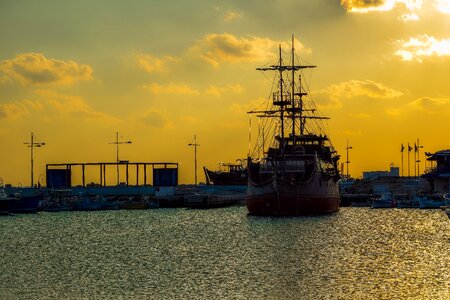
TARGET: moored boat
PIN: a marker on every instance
(297, 174)
(406, 201)
(21, 200)
(430, 200)
(25, 203)
(228, 174)
(385, 200)
(5, 201)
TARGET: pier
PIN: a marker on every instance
(164, 173)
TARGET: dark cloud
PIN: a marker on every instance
(349, 4)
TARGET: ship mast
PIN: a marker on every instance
(279, 98)
(293, 93)
(280, 69)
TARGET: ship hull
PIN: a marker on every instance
(283, 199)
(25, 204)
(225, 178)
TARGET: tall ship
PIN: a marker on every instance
(292, 170)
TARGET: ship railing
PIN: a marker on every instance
(288, 166)
(281, 98)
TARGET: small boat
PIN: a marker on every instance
(5, 201)
(130, 202)
(385, 200)
(58, 200)
(25, 203)
(228, 174)
(430, 200)
(88, 203)
(406, 201)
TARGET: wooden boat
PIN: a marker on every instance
(228, 174)
(297, 173)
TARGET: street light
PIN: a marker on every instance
(117, 143)
(418, 147)
(348, 162)
(32, 145)
(195, 145)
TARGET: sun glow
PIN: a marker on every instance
(358, 6)
(443, 6)
(416, 48)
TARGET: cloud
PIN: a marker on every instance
(422, 46)
(13, 110)
(35, 68)
(443, 6)
(410, 9)
(331, 96)
(69, 105)
(243, 108)
(219, 48)
(326, 99)
(171, 88)
(354, 88)
(154, 118)
(19, 109)
(232, 15)
(219, 91)
(431, 105)
(153, 64)
(409, 18)
(365, 6)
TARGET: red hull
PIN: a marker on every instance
(269, 205)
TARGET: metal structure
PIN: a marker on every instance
(32, 144)
(417, 160)
(102, 169)
(195, 145)
(348, 161)
(117, 143)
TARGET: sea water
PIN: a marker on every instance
(357, 253)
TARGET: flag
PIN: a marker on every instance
(402, 148)
(409, 148)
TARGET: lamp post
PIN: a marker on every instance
(32, 144)
(117, 143)
(418, 157)
(348, 162)
(195, 145)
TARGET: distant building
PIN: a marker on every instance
(439, 176)
(370, 175)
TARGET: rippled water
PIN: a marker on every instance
(357, 253)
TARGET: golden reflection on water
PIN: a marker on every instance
(357, 253)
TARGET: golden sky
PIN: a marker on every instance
(159, 72)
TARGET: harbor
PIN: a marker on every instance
(224, 253)
(225, 150)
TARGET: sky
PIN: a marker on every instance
(159, 72)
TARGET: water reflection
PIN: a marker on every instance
(224, 253)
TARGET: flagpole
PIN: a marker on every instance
(418, 157)
(402, 148)
(409, 150)
(415, 159)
